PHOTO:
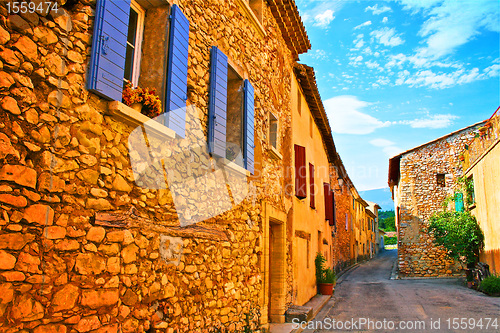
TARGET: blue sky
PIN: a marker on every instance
(396, 74)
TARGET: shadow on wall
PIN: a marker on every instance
(492, 258)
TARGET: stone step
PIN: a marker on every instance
(302, 313)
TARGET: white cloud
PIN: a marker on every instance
(359, 44)
(372, 64)
(377, 11)
(387, 37)
(493, 70)
(318, 54)
(355, 61)
(431, 121)
(322, 20)
(381, 142)
(345, 116)
(441, 80)
(365, 24)
(385, 19)
(388, 147)
(453, 23)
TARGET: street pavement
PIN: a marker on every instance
(366, 300)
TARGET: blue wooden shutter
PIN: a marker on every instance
(109, 43)
(459, 202)
(177, 71)
(217, 109)
(248, 127)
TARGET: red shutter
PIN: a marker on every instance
(328, 203)
(312, 190)
(300, 172)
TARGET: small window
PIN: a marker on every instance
(299, 101)
(134, 42)
(441, 179)
(311, 121)
(346, 221)
(273, 130)
(470, 190)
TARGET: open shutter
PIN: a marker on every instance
(312, 188)
(328, 203)
(300, 172)
(248, 126)
(459, 202)
(217, 109)
(109, 46)
(177, 69)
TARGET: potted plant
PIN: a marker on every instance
(143, 100)
(325, 278)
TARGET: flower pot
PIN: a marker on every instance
(137, 107)
(326, 288)
(470, 284)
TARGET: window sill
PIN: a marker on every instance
(235, 167)
(251, 16)
(133, 118)
(274, 153)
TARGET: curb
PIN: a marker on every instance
(394, 272)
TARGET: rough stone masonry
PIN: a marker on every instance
(82, 247)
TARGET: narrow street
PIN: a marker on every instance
(367, 295)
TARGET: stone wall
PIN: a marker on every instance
(84, 245)
(418, 195)
(342, 256)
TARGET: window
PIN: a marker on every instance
(346, 221)
(231, 105)
(470, 190)
(234, 137)
(126, 45)
(300, 172)
(134, 42)
(311, 121)
(273, 130)
(299, 101)
(312, 188)
(441, 179)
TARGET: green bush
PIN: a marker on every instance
(459, 233)
(490, 285)
(323, 275)
(390, 240)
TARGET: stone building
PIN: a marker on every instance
(420, 179)
(343, 240)
(482, 165)
(313, 219)
(99, 202)
(373, 208)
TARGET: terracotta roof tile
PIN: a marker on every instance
(287, 16)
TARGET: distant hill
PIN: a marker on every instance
(382, 196)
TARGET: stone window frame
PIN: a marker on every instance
(250, 10)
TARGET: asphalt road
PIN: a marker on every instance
(366, 300)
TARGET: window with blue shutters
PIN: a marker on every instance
(125, 32)
(230, 113)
